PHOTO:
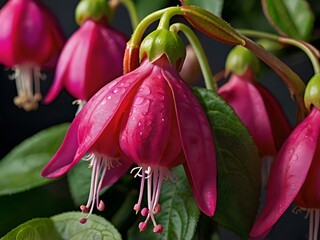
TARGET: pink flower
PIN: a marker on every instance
(294, 177)
(143, 118)
(91, 58)
(260, 112)
(30, 38)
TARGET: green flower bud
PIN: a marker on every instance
(312, 92)
(162, 41)
(240, 59)
(92, 9)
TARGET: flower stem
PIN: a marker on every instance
(312, 53)
(137, 35)
(203, 61)
(294, 83)
(132, 12)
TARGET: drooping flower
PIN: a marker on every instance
(294, 176)
(91, 58)
(256, 106)
(145, 117)
(30, 39)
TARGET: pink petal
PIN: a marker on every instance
(241, 94)
(197, 144)
(64, 159)
(21, 42)
(281, 127)
(113, 174)
(108, 105)
(288, 173)
(84, 65)
(147, 127)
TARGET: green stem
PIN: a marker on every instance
(294, 83)
(166, 17)
(305, 47)
(196, 45)
(146, 22)
(132, 12)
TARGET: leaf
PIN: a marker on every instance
(292, 18)
(179, 212)
(145, 7)
(213, 6)
(239, 169)
(79, 179)
(20, 170)
(64, 226)
(69, 227)
(35, 229)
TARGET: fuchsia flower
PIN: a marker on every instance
(30, 39)
(91, 58)
(147, 117)
(294, 177)
(259, 111)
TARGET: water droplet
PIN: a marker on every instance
(295, 157)
(115, 90)
(140, 133)
(290, 151)
(112, 84)
(162, 119)
(109, 97)
(139, 124)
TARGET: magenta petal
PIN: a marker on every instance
(288, 173)
(240, 93)
(64, 159)
(113, 174)
(111, 100)
(197, 144)
(150, 117)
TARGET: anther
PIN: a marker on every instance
(84, 209)
(143, 226)
(144, 212)
(83, 220)
(158, 229)
(101, 206)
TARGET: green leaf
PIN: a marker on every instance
(79, 180)
(35, 229)
(292, 18)
(179, 212)
(145, 7)
(69, 227)
(239, 167)
(64, 226)
(20, 170)
(213, 6)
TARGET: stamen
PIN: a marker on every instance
(311, 225)
(314, 217)
(99, 165)
(316, 223)
(138, 205)
(27, 79)
(80, 103)
(155, 177)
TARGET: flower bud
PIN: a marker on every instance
(162, 41)
(92, 9)
(312, 93)
(239, 59)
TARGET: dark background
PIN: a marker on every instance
(17, 125)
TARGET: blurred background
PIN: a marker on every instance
(17, 125)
